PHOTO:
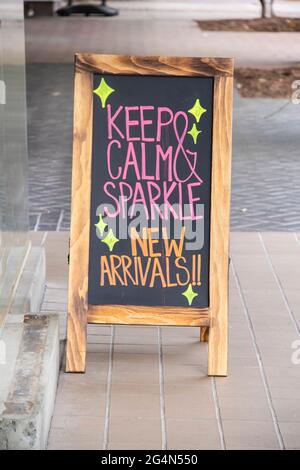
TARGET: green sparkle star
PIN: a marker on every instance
(110, 240)
(197, 110)
(194, 133)
(100, 225)
(189, 294)
(103, 91)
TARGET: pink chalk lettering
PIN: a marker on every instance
(145, 122)
(131, 161)
(125, 196)
(130, 122)
(192, 200)
(160, 122)
(154, 187)
(165, 156)
(180, 148)
(106, 186)
(108, 157)
(145, 177)
(168, 207)
(111, 121)
(138, 197)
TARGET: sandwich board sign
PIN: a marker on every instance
(150, 197)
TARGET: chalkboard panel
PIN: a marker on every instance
(157, 132)
(150, 190)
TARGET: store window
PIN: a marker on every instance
(14, 243)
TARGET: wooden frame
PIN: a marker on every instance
(214, 320)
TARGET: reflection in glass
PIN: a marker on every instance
(13, 150)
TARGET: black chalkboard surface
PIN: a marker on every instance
(150, 190)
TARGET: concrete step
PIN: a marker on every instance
(29, 293)
(13, 261)
(30, 369)
(29, 353)
(23, 292)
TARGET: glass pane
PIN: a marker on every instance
(13, 149)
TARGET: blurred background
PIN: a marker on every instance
(258, 34)
(38, 39)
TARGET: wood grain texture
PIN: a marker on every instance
(204, 334)
(219, 233)
(155, 65)
(136, 315)
(80, 223)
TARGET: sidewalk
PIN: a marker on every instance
(266, 141)
(265, 134)
(189, 9)
(48, 40)
(146, 388)
(209, 9)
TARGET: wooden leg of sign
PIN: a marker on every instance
(76, 345)
(218, 344)
(204, 334)
(219, 243)
(80, 225)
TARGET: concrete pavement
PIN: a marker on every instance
(190, 9)
(265, 176)
(55, 40)
(146, 387)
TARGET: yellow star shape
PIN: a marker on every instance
(197, 110)
(189, 294)
(100, 225)
(103, 91)
(110, 240)
(194, 132)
